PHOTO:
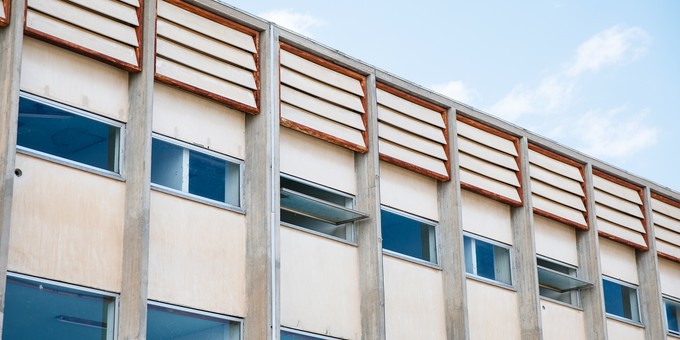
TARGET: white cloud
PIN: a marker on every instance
(553, 93)
(613, 134)
(296, 22)
(457, 90)
(611, 46)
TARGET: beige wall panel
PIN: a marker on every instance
(414, 301)
(667, 222)
(197, 120)
(667, 248)
(555, 240)
(622, 330)
(319, 285)
(487, 169)
(198, 265)
(206, 26)
(80, 37)
(488, 184)
(557, 195)
(619, 218)
(131, 2)
(408, 191)
(413, 157)
(555, 166)
(67, 225)
(618, 261)
(557, 180)
(321, 73)
(322, 90)
(667, 235)
(2, 11)
(73, 79)
(321, 107)
(669, 273)
(486, 217)
(317, 161)
(219, 50)
(561, 322)
(412, 109)
(415, 126)
(486, 138)
(411, 141)
(321, 124)
(666, 208)
(620, 231)
(618, 204)
(558, 209)
(616, 190)
(114, 9)
(492, 312)
(487, 153)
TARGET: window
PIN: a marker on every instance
(408, 235)
(672, 315)
(49, 128)
(621, 299)
(166, 322)
(183, 168)
(289, 334)
(558, 281)
(487, 260)
(319, 209)
(39, 309)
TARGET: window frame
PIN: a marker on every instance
(575, 293)
(637, 297)
(200, 312)
(116, 297)
(305, 333)
(435, 231)
(350, 226)
(674, 300)
(179, 193)
(120, 154)
(495, 243)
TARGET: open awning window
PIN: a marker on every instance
(318, 209)
(560, 282)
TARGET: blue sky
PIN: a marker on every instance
(602, 77)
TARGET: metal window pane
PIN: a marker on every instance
(408, 236)
(315, 208)
(672, 316)
(558, 281)
(168, 323)
(296, 336)
(166, 164)
(207, 176)
(620, 300)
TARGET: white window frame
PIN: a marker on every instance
(637, 297)
(297, 331)
(575, 294)
(674, 300)
(185, 172)
(474, 275)
(120, 145)
(434, 237)
(200, 312)
(116, 297)
(350, 227)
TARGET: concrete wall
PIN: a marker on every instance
(486, 217)
(408, 191)
(196, 255)
(492, 311)
(669, 273)
(618, 261)
(555, 240)
(414, 301)
(621, 330)
(319, 285)
(67, 224)
(561, 322)
(72, 79)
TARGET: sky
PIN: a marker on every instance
(601, 77)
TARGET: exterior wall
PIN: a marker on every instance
(414, 301)
(562, 322)
(317, 161)
(669, 272)
(408, 191)
(73, 79)
(618, 261)
(211, 279)
(492, 311)
(621, 330)
(555, 240)
(319, 285)
(486, 217)
(67, 224)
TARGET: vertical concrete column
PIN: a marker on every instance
(137, 172)
(588, 246)
(452, 255)
(369, 234)
(11, 43)
(524, 262)
(261, 192)
(651, 305)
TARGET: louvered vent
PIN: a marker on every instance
(108, 31)
(666, 216)
(206, 54)
(618, 207)
(412, 133)
(322, 99)
(489, 161)
(4, 12)
(557, 189)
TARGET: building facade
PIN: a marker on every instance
(185, 170)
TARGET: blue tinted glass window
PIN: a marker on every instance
(672, 315)
(207, 176)
(487, 260)
(37, 310)
(468, 247)
(64, 134)
(296, 336)
(167, 164)
(620, 300)
(167, 323)
(407, 236)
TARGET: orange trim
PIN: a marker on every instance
(490, 194)
(433, 107)
(6, 5)
(323, 136)
(668, 257)
(666, 200)
(623, 241)
(560, 219)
